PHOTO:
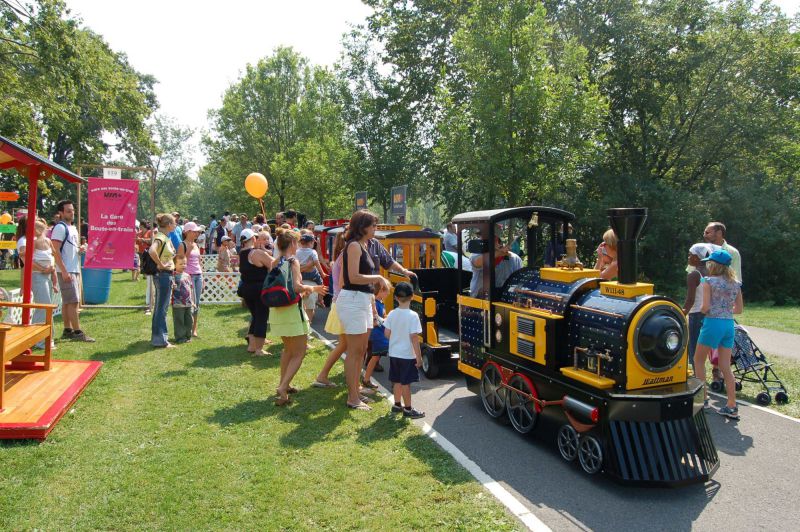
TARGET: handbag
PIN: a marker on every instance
(149, 266)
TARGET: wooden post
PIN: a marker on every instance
(33, 185)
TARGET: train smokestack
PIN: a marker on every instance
(627, 225)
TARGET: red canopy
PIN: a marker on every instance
(34, 167)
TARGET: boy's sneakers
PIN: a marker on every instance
(413, 413)
(731, 413)
(396, 408)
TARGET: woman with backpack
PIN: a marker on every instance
(290, 322)
(162, 252)
(254, 264)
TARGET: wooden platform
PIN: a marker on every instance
(35, 400)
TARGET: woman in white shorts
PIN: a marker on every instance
(354, 302)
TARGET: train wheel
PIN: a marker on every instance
(521, 409)
(429, 367)
(568, 442)
(493, 395)
(590, 454)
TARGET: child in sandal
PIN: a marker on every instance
(403, 329)
(378, 345)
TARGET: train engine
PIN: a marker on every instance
(602, 364)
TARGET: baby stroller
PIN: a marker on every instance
(750, 365)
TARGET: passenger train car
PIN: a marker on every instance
(601, 366)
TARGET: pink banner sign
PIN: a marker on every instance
(112, 223)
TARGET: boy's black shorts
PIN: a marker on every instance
(403, 370)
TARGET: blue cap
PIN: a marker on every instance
(720, 256)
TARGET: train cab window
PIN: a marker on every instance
(426, 255)
(399, 253)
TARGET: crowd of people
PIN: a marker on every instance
(290, 255)
(176, 246)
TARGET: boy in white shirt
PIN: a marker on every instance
(402, 329)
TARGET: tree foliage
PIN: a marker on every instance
(63, 90)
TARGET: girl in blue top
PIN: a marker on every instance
(722, 298)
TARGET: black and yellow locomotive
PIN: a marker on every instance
(602, 365)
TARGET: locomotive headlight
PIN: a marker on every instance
(660, 338)
(672, 341)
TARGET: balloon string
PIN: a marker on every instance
(263, 212)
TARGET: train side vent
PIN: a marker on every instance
(526, 326)
(525, 348)
(673, 451)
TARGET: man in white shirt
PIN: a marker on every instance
(507, 262)
(714, 233)
(450, 238)
(66, 247)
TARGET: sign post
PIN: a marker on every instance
(361, 201)
(400, 202)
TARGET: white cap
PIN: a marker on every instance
(246, 235)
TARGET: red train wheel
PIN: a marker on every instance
(493, 395)
(522, 410)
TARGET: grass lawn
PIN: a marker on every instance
(189, 438)
(786, 319)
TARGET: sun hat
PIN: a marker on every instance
(246, 235)
(190, 226)
(403, 289)
(720, 256)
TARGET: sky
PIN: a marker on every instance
(197, 49)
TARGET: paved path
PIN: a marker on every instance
(754, 489)
(779, 343)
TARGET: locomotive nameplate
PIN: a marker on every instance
(628, 291)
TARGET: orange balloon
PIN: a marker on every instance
(256, 185)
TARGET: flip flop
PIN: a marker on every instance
(319, 384)
(371, 385)
(365, 399)
(367, 391)
(359, 406)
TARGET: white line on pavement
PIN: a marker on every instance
(500, 493)
(757, 407)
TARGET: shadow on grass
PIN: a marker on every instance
(315, 415)
(442, 466)
(10, 444)
(134, 348)
(220, 357)
(176, 373)
(386, 427)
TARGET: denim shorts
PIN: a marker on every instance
(717, 332)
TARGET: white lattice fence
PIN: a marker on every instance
(220, 288)
(14, 315)
(210, 262)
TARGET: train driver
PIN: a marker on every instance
(506, 262)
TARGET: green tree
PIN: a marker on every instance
(524, 122)
(63, 89)
(381, 127)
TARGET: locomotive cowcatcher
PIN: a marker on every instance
(600, 364)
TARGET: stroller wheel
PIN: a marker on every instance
(781, 398)
(763, 399)
(738, 386)
(717, 386)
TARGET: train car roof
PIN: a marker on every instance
(498, 215)
(319, 228)
(381, 235)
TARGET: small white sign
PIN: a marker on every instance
(112, 173)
